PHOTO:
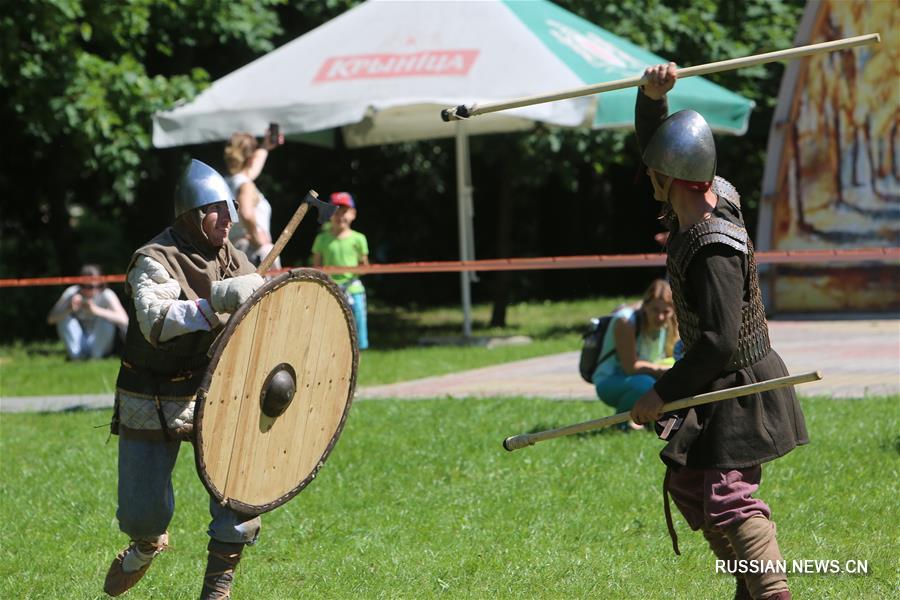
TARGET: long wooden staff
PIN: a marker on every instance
(529, 439)
(286, 234)
(464, 111)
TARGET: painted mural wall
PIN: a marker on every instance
(833, 172)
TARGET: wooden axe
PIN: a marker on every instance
(312, 199)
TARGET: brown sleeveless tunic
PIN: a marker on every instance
(173, 369)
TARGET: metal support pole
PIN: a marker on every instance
(464, 210)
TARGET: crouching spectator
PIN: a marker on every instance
(88, 318)
(637, 349)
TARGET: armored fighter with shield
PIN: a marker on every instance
(714, 452)
(180, 287)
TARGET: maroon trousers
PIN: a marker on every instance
(716, 498)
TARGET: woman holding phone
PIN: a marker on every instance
(245, 160)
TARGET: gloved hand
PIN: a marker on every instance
(229, 294)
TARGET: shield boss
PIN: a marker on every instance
(277, 392)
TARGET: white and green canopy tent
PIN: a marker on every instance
(381, 73)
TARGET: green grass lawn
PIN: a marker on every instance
(38, 369)
(419, 500)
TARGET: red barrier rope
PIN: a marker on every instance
(595, 261)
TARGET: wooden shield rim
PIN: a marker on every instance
(236, 318)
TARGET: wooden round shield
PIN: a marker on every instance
(275, 397)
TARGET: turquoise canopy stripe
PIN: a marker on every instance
(596, 56)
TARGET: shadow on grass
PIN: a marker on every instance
(564, 330)
(895, 444)
(396, 328)
(48, 352)
(46, 348)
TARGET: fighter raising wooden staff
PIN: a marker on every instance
(215, 355)
(715, 451)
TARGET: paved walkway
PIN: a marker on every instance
(856, 357)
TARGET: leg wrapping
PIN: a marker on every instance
(754, 540)
(721, 547)
(220, 565)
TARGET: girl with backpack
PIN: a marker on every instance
(637, 349)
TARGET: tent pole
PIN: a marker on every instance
(463, 201)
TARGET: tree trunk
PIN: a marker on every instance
(56, 190)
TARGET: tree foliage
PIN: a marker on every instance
(82, 80)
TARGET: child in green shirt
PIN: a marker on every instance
(340, 246)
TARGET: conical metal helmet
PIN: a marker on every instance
(201, 185)
(683, 147)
